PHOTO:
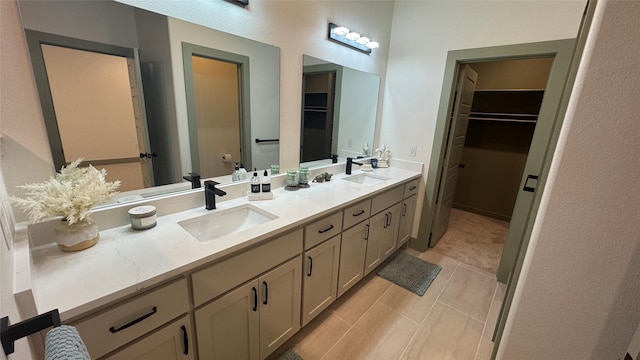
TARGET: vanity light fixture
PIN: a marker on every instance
(351, 39)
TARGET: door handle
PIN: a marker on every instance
(185, 340)
(310, 265)
(266, 293)
(255, 299)
(534, 179)
(366, 236)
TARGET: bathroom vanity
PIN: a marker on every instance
(202, 284)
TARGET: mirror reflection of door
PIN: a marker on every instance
(98, 112)
(317, 116)
(217, 104)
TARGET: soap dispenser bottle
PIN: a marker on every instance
(236, 173)
(242, 173)
(255, 182)
(266, 182)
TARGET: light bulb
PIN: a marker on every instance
(373, 45)
(363, 40)
(340, 30)
(353, 36)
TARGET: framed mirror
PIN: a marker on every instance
(147, 138)
(339, 108)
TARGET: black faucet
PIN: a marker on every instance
(194, 178)
(334, 159)
(210, 193)
(350, 162)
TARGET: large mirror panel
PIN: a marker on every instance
(142, 128)
(339, 108)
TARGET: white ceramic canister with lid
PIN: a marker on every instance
(143, 217)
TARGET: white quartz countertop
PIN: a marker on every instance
(125, 261)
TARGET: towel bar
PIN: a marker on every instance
(11, 333)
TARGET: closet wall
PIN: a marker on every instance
(503, 117)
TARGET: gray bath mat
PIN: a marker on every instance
(290, 355)
(410, 272)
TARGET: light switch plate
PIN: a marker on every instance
(413, 149)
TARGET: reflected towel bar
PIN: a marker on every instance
(258, 141)
(11, 333)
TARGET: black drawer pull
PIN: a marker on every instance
(185, 340)
(310, 265)
(255, 299)
(366, 236)
(326, 229)
(266, 293)
(386, 220)
(358, 213)
(412, 188)
(114, 330)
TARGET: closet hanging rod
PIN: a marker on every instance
(502, 114)
(503, 120)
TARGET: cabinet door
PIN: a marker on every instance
(280, 291)
(172, 342)
(407, 212)
(228, 327)
(352, 254)
(375, 242)
(320, 278)
(389, 243)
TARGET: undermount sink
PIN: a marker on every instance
(226, 222)
(366, 179)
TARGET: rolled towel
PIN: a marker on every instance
(64, 343)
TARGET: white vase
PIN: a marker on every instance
(77, 236)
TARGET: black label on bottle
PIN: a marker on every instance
(266, 187)
(255, 188)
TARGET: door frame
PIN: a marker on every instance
(561, 50)
(35, 40)
(189, 50)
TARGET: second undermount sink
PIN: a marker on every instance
(366, 179)
(226, 222)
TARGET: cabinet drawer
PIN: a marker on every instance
(411, 188)
(386, 199)
(321, 230)
(225, 275)
(131, 319)
(356, 213)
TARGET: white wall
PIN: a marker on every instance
(577, 296)
(416, 68)
(16, 104)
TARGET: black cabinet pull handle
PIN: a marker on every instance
(358, 213)
(255, 299)
(366, 236)
(412, 188)
(404, 209)
(310, 265)
(114, 330)
(266, 292)
(386, 220)
(185, 340)
(390, 217)
(326, 229)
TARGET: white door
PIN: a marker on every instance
(280, 301)
(228, 328)
(453, 153)
(99, 112)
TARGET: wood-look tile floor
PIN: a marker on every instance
(380, 320)
(474, 239)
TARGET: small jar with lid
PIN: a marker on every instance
(143, 217)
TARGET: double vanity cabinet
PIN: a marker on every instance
(248, 303)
